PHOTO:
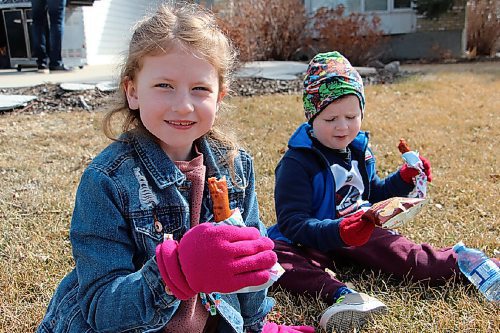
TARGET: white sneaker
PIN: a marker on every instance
(349, 312)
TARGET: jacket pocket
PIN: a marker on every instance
(151, 225)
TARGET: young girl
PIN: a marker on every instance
(145, 261)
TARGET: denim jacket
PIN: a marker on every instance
(116, 285)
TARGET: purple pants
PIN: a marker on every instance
(386, 251)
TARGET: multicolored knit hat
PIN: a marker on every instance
(330, 76)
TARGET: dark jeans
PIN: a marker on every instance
(386, 251)
(56, 10)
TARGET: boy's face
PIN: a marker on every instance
(339, 123)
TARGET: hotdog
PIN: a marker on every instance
(220, 198)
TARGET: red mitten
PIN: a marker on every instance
(275, 328)
(408, 173)
(222, 258)
(356, 229)
(427, 168)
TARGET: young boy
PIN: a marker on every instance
(323, 182)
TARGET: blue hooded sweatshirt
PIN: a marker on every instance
(305, 198)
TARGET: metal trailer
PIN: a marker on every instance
(17, 20)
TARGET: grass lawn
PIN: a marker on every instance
(451, 118)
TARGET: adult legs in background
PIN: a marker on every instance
(56, 9)
(56, 12)
(39, 15)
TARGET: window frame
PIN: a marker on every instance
(390, 7)
(387, 2)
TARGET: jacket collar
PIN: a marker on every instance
(162, 169)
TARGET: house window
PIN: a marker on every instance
(351, 6)
(372, 5)
(402, 4)
(359, 6)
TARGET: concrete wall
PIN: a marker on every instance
(425, 45)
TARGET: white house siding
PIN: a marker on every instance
(108, 27)
(398, 21)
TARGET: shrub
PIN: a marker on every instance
(483, 26)
(356, 36)
(265, 29)
(433, 8)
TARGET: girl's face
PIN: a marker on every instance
(339, 123)
(177, 94)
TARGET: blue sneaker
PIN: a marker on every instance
(351, 311)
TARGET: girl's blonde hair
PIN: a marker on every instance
(172, 25)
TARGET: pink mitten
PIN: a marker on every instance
(356, 229)
(275, 328)
(408, 173)
(222, 258)
(170, 270)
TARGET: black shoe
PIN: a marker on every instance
(60, 68)
(42, 68)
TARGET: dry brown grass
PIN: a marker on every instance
(452, 118)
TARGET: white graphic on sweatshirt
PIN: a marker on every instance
(349, 189)
(146, 196)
